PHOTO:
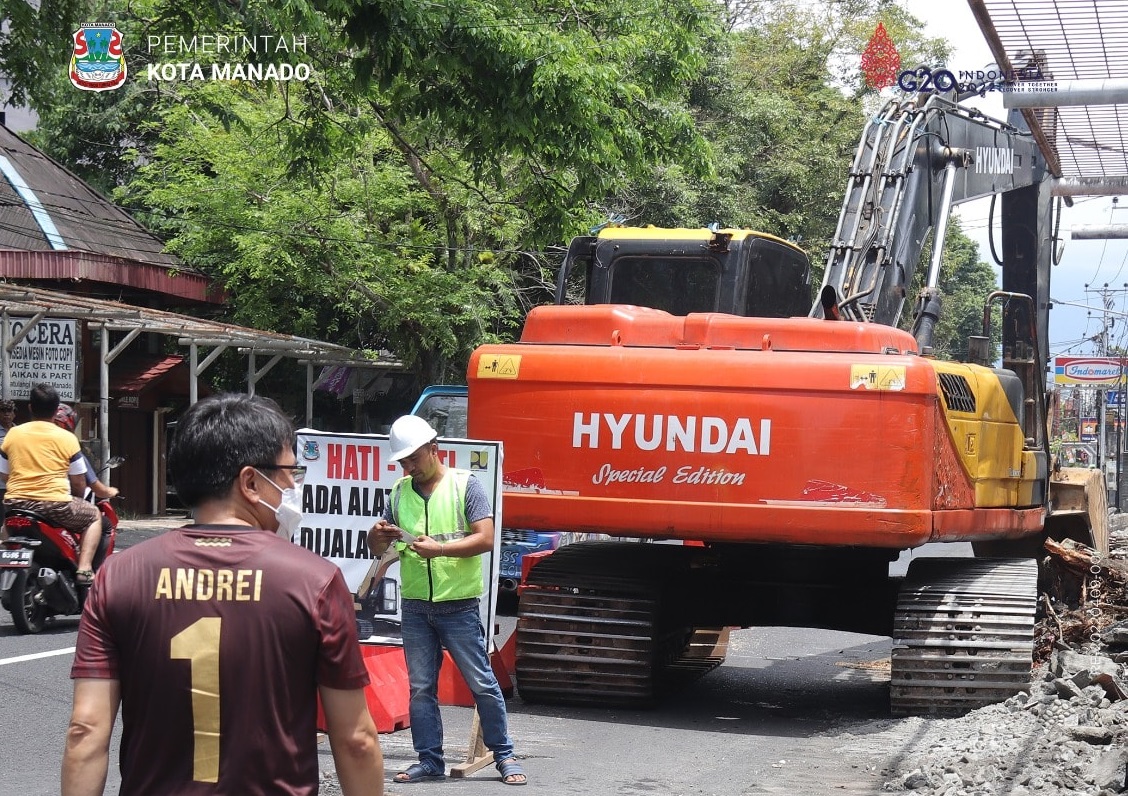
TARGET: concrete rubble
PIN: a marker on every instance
(1065, 737)
(1068, 736)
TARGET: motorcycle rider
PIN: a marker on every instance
(42, 467)
(66, 417)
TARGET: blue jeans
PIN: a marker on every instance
(428, 628)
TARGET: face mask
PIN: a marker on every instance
(288, 512)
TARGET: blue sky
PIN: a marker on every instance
(1078, 311)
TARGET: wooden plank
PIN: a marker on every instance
(477, 755)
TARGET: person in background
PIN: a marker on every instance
(66, 417)
(448, 515)
(7, 420)
(216, 639)
(7, 417)
(42, 468)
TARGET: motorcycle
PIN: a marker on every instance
(38, 563)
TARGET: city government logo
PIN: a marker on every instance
(98, 60)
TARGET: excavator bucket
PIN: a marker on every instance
(1079, 507)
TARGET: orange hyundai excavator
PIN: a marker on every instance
(696, 396)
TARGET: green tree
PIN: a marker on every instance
(965, 282)
(782, 115)
(414, 194)
(510, 121)
(353, 256)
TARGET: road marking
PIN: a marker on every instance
(36, 656)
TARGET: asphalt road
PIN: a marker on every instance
(35, 681)
(790, 711)
(768, 721)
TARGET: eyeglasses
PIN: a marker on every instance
(297, 471)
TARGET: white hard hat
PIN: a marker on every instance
(409, 434)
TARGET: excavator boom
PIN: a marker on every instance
(916, 160)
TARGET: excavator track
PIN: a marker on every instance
(596, 625)
(963, 634)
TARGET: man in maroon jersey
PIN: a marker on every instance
(216, 638)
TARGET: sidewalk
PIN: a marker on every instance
(138, 529)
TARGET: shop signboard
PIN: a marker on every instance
(48, 353)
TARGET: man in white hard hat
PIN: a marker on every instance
(447, 514)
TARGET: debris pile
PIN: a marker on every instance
(1066, 737)
(1069, 735)
(1084, 597)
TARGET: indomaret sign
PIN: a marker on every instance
(47, 353)
(1091, 371)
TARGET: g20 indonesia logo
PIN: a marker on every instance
(98, 61)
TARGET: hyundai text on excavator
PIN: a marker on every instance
(696, 396)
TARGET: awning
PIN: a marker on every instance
(189, 331)
(1067, 40)
(204, 339)
(134, 375)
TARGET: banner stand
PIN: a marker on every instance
(477, 755)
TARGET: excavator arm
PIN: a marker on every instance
(916, 160)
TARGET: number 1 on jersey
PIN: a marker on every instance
(199, 644)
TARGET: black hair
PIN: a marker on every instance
(43, 402)
(219, 436)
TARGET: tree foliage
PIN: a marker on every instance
(965, 282)
(354, 256)
(782, 106)
(413, 193)
(402, 196)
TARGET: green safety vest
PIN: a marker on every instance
(443, 518)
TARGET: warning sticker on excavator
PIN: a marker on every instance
(877, 377)
(499, 366)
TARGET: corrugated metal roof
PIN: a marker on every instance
(20, 300)
(1070, 40)
(84, 219)
(53, 226)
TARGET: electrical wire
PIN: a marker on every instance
(1121, 268)
(1104, 248)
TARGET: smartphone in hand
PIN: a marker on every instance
(405, 536)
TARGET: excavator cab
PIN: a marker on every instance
(684, 271)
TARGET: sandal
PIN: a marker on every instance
(417, 772)
(84, 577)
(511, 768)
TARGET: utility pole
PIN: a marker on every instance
(1106, 349)
(1121, 394)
